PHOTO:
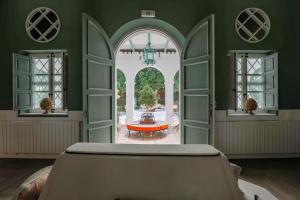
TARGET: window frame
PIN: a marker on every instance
(244, 77)
(51, 92)
(30, 54)
(263, 111)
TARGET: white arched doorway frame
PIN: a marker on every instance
(131, 64)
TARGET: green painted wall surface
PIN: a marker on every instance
(183, 14)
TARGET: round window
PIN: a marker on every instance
(253, 25)
(42, 25)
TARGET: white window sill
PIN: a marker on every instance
(257, 116)
(60, 114)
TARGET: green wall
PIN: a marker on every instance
(183, 14)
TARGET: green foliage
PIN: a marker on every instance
(176, 82)
(147, 97)
(151, 77)
(121, 91)
(121, 81)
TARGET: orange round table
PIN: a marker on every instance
(146, 128)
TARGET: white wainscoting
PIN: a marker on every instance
(258, 136)
(237, 137)
(37, 137)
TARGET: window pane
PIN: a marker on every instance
(41, 88)
(254, 66)
(58, 100)
(40, 65)
(254, 88)
(58, 88)
(41, 79)
(57, 78)
(255, 79)
(57, 65)
(239, 99)
(239, 88)
(239, 66)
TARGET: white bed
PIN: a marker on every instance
(120, 171)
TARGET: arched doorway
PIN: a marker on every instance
(196, 78)
(149, 59)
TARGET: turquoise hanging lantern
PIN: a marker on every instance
(148, 53)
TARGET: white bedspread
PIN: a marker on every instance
(141, 172)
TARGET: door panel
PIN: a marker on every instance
(197, 84)
(198, 44)
(100, 135)
(195, 76)
(196, 135)
(94, 69)
(98, 83)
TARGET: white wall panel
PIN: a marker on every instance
(256, 137)
(42, 137)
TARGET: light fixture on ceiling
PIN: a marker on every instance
(148, 53)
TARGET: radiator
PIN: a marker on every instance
(37, 137)
(258, 137)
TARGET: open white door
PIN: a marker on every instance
(98, 83)
(197, 84)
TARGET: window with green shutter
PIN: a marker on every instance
(254, 76)
(37, 76)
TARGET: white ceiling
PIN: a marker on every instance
(140, 39)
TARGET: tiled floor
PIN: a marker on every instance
(171, 136)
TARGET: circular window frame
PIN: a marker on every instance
(264, 25)
(28, 25)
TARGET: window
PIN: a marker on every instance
(45, 77)
(255, 76)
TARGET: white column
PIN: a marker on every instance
(169, 100)
(129, 99)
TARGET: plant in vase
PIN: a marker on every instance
(250, 105)
(147, 98)
(46, 105)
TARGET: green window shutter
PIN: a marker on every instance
(22, 83)
(65, 80)
(271, 83)
(231, 102)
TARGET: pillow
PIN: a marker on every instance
(32, 187)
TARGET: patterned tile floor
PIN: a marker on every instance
(171, 136)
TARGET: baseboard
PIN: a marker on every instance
(262, 156)
(30, 156)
